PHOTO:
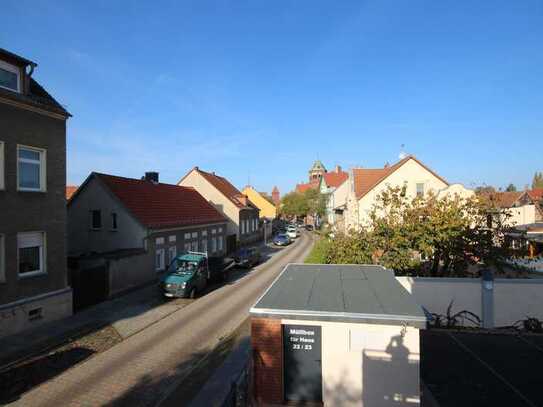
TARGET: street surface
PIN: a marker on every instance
(144, 369)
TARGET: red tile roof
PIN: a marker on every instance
(227, 189)
(365, 179)
(70, 190)
(502, 199)
(536, 194)
(335, 179)
(301, 188)
(161, 205)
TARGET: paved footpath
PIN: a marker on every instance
(147, 366)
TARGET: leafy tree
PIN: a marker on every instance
(294, 204)
(537, 181)
(451, 233)
(485, 189)
(511, 188)
(311, 202)
(315, 201)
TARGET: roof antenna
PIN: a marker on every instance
(403, 154)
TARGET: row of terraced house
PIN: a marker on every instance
(62, 247)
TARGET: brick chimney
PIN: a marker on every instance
(243, 199)
(151, 176)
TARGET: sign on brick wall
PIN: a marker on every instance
(302, 368)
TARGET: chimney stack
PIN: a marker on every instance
(151, 176)
(338, 168)
(243, 199)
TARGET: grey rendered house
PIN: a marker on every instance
(135, 227)
(33, 278)
(242, 214)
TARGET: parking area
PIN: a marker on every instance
(482, 369)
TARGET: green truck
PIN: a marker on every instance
(189, 274)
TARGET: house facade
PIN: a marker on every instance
(141, 224)
(33, 279)
(329, 182)
(355, 199)
(516, 208)
(242, 214)
(267, 209)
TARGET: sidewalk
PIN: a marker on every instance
(128, 314)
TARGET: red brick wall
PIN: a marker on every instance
(267, 343)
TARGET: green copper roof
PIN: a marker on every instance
(318, 165)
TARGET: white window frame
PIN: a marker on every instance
(2, 182)
(194, 246)
(159, 241)
(220, 243)
(14, 69)
(43, 167)
(417, 189)
(160, 265)
(2, 258)
(172, 239)
(43, 254)
(243, 227)
(204, 244)
(187, 246)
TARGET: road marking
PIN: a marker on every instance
(494, 372)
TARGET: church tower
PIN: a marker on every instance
(316, 172)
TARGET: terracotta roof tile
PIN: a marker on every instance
(503, 199)
(301, 188)
(161, 205)
(70, 190)
(335, 179)
(536, 194)
(365, 179)
(227, 189)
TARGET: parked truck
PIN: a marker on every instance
(190, 273)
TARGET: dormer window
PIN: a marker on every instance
(9, 76)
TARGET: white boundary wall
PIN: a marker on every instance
(510, 299)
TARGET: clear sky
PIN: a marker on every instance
(260, 89)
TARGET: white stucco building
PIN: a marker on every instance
(355, 199)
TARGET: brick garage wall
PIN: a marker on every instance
(267, 343)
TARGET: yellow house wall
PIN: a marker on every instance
(267, 210)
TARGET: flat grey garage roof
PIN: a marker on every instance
(343, 293)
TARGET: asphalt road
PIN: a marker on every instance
(147, 367)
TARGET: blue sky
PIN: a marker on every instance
(260, 89)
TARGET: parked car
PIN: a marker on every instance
(190, 273)
(293, 231)
(281, 240)
(247, 257)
